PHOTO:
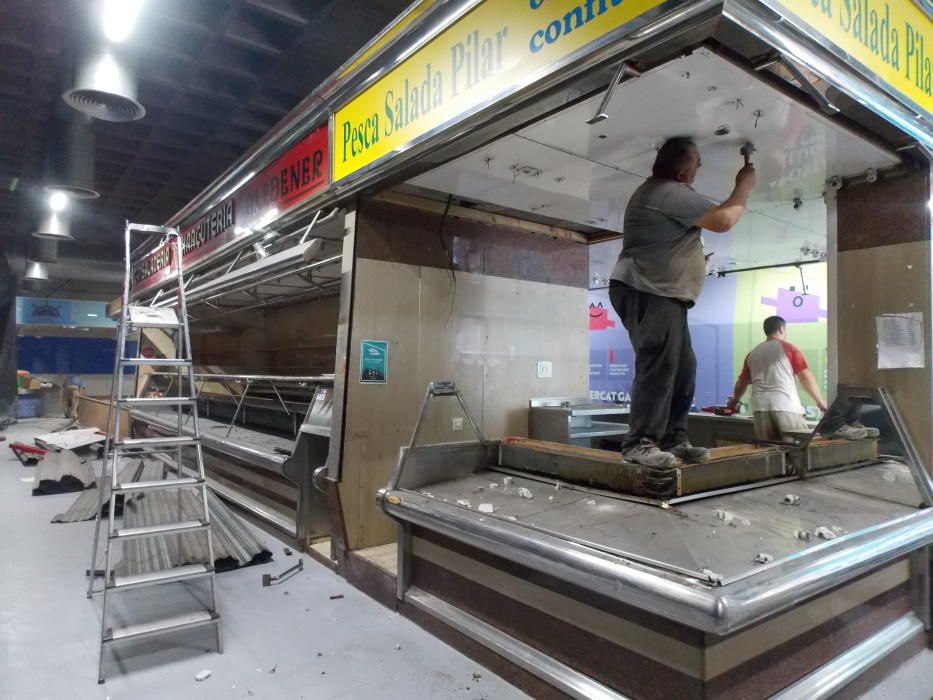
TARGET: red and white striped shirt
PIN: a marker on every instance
(771, 368)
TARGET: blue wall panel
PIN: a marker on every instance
(68, 355)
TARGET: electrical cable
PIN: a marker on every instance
(450, 260)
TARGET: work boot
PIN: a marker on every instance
(850, 432)
(686, 452)
(647, 454)
(869, 432)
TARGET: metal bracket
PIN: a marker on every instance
(625, 69)
(825, 105)
(269, 579)
(435, 389)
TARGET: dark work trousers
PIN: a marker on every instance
(841, 413)
(665, 366)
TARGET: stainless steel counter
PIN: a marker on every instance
(685, 562)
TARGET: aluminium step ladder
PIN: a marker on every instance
(133, 319)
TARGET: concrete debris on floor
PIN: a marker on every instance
(825, 533)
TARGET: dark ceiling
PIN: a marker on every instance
(214, 76)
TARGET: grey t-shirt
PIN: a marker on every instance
(662, 252)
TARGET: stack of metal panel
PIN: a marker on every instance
(62, 472)
(235, 546)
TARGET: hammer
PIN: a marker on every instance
(747, 150)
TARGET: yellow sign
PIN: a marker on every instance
(498, 45)
(893, 39)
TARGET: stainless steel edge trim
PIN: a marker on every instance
(834, 676)
(278, 379)
(343, 68)
(257, 509)
(547, 668)
(257, 458)
(610, 576)
(720, 611)
(790, 37)
(920, 585)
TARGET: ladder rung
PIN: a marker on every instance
(156, 485)
(158, 401)
(154, 324)
(151, 228)
(173, 441)
(155, 361)
(153, 578)
(127, 533)
(169, 624)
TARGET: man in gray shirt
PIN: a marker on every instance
(658, 277)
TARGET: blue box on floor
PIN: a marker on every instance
(29, 405)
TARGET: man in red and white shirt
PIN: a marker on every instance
(771, 369)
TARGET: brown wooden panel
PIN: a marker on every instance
(635, 615)
(523, 680)
(395, 233)
(632, 674)
(373, 580)
(485, 332)
(886, 212)
(889, 279)
(791, 661)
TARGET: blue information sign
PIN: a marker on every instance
(374, 361)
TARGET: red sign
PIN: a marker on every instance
(289, 180)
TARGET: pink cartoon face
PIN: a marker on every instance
(599, 318)
(796, 307)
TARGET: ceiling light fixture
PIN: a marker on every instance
(70, 157)
(118, 17)
(54, 225)
(36, 271)
(105, 86)
(58, 201)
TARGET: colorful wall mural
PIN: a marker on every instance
(725, 324)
